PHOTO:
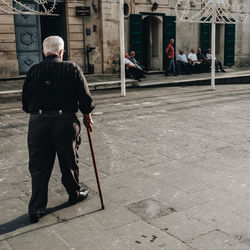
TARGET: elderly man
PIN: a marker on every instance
(183, 65)
(193, 60)
(132, 68)
(134, 61)
(205, 64)
(218, 63)
(52, 93)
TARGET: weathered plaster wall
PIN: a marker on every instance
(187, 36)
(75, 34)
(111, 35)
(242, 42)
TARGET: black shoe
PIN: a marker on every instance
(223, 71)
(34, 218)
(139, 80)
(81, 196)
(143, 76)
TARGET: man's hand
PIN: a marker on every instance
(88, 122)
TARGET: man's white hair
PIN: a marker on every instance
(53, 45)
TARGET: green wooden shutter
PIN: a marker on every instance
(205, 37)
(169, 31)
(229, 44)
(136, 35)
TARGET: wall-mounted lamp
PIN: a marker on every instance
(154, 6)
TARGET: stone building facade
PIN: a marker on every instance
(149, 24)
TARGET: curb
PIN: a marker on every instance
(240, 79)
(220, 80)
(92, 87)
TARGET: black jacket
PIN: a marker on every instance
(56, 85)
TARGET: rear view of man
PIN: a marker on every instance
(52, 93)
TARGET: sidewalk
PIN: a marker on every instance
(13, 86)
(174, 171)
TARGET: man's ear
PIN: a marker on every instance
(61, 53)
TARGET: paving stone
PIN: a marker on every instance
(114, 216)
(214, 240)
(241, 247)
(80, 224)
(150, 209)
(95, 239)
(9, 192)
(4, 245)
(220, 198)
(12, 208)
(178, 180)
(182, 226)
(224, 220)
(140, 235)
(38, 239)
(185, 148)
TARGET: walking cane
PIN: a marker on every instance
(95, 167)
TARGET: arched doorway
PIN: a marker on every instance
(152, 43)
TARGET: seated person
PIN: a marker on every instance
(218, 63)
(205, 63)
(193, 60)
(134, 61)
(183, 66)
(131, 68)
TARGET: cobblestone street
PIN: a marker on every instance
(174, 166)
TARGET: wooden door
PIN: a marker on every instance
(28, 40)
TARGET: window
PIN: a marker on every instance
(127, 10)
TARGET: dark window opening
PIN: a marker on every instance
(55, 25)
(126, 9)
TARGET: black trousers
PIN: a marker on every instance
(137, 73)
(49, 135)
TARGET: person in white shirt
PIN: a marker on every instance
(193, 60)
(132, 68)
(218, 63)
(183, 66)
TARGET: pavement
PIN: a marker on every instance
(174, 171)
(12, 86)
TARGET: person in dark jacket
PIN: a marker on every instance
(53, 92)
(205, 63)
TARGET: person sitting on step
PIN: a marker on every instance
(132, 69)
(193, 60)
(218, 63)
(134, 61)
(183, 66)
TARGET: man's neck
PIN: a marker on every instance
(53, 55)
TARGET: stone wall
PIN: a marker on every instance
(242, 44)
(111, 35)
(75, 34)
(187, 36)
(8, 62)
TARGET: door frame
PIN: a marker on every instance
(145, 14)
(160, 20)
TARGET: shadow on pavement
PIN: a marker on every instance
(23, 221)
